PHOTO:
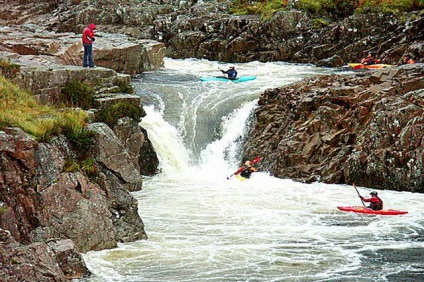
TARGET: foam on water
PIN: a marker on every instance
(204, 227)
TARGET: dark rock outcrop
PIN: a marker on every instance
(366, 128)
(58, 260)
(42, 201)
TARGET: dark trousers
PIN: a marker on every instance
(88, 56)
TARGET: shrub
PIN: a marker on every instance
(81, 139)
(8, 69)
(124, 87)
(78, 94)
(113, 113)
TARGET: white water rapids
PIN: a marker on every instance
(203, 227)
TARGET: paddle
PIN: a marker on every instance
(358, 193)
(255, 160)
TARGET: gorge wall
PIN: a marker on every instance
(366, 128)
(205, 30)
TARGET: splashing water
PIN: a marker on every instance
(203, 227)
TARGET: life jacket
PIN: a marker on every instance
(376, 205)
(247, 172)
(232, 74)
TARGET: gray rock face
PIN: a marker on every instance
(366, 128)
(112, 153)
(55, 261)
(40, 202)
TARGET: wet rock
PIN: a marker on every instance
(364, 128)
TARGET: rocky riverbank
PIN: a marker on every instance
(205, 30)
(53, 204)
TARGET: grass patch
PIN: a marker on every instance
(264, 8)
(267, 8)
(19, 108)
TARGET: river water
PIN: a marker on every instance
(205, 227)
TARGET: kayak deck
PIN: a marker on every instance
(365, 210)
(223, 79)
(357, 66)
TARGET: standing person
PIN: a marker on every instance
(407, 60)
(375, 202)
(87, 41)
(248, 169)
(370, 59)
(231, 72)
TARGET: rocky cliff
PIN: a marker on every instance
(366, 128)
(53, 204)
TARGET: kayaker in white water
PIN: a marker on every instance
(248, 169)
(375, 202)
(231, 72)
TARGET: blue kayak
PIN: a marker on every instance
(223, 79)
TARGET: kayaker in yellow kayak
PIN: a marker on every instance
(407, 60)
(370, 59)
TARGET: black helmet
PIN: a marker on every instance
(373, 193)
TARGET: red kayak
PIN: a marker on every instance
(370, 211)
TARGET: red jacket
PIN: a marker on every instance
(376, 202)
(88, 34)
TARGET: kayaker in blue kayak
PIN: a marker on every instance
(375, 202)
(231, 72)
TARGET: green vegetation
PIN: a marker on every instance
(113, 113)
(264, 8)
(78, 94)
(389, 6)
(87, 165)
(8, 69)
(19, 108)
(124, 87)
(267, 8)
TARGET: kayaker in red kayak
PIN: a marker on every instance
(375, 202)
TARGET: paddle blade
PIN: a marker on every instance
(255, 160)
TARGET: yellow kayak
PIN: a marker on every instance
(241, 178)
(358, 66)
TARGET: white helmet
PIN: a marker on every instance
(231, 66)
